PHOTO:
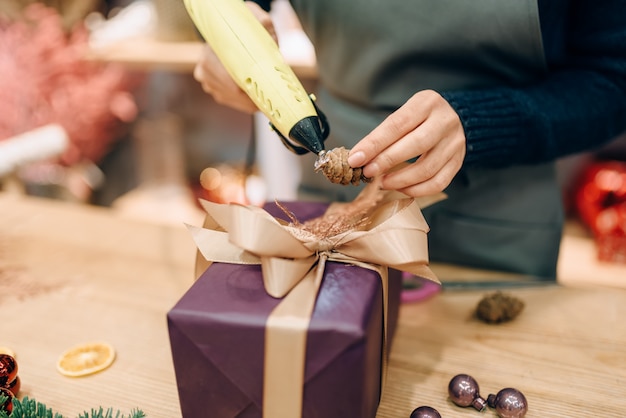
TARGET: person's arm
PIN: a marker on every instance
(579, 106)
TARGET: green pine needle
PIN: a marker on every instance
(109, 413)
(29, 408)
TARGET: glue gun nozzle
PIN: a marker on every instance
(308, 133)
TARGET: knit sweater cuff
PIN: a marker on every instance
(492, 122)
(265, 4)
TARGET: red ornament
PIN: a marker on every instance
(600, 200)
(8, 369)
(14, 386)
(7, 406)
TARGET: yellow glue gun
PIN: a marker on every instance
(254, 61)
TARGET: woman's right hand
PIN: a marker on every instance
(216, 81)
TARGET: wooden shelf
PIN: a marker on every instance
(150, 54)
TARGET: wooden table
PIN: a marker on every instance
(71, 274)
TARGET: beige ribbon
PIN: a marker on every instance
(293, 263)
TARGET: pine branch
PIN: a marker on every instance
(109, 413)
(29, 408)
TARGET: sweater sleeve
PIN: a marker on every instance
(265, 4)
(580, 104)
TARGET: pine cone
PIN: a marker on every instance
(498, 307)
(334, 165)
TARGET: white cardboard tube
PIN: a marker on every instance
(38, 144)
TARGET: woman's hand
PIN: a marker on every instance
(216, 81)
(426, 126)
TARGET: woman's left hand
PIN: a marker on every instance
(426, 126)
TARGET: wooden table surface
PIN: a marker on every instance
(71, 274)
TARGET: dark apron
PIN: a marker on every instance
(374, 55)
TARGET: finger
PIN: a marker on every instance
(433, 131)
(413, 144)
(208, 84)
(394, 127)
(445, 156)
(441, 135)
(425, 168)
(199, 74)
(237, 100)
(222, 87)
(263, 17)
(434, 185)
(206, 71)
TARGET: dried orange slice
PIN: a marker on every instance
(7, 350)
(86, 359)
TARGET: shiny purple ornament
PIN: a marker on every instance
(509, 403)
(425, 412)
(464, 391)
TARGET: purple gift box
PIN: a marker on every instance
(217, 332)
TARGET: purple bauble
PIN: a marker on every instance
(464, 391)
(425, 412)
(509, 403)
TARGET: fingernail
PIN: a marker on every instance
(357, 159)
(371, 170)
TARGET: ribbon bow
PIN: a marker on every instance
(292, 259)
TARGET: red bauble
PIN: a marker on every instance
(8, 369)
(14, 386)
(600, 199)
(8, 404)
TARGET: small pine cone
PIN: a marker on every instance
(334, 165)
(498, 307)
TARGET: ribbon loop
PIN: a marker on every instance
(280, 275)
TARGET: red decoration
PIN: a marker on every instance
(600, 201)
(8, 369)
(9, 380)
(15, 386)
(45, 78)
(7, 406)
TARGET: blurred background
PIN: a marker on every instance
(98, 105)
